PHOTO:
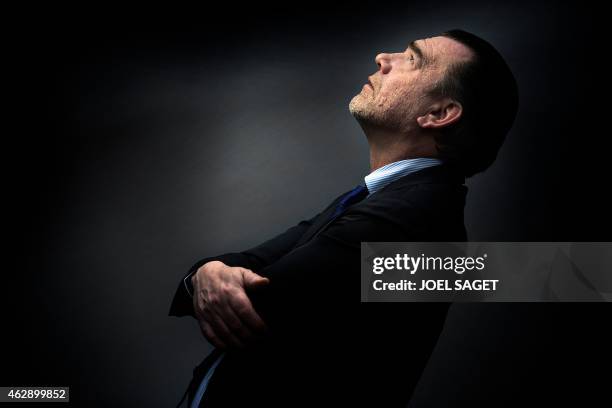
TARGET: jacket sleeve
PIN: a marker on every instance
(319, 282)
(255, 259)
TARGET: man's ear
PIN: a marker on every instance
(441, 114)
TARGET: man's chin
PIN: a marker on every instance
(357, 107)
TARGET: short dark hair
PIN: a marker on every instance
(488, 93)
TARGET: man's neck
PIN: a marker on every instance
(388, 148)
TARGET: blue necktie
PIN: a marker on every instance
(354, 196)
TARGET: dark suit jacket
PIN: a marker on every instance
(326, 347)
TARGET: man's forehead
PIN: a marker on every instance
(440, 47)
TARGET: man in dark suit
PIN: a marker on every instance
(285, 316)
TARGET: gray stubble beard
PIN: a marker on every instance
(369, 113)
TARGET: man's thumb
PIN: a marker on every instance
(253, 280)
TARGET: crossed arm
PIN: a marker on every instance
(221, 302)
(216, 290)
(236, 297)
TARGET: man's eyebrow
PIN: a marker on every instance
(415, 48)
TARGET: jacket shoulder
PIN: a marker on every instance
(425, 210)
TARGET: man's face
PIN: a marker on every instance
(398, 92)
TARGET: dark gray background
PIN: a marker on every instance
(149, 139)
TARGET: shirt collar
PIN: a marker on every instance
(386, 174)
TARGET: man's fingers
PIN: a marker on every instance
(231, 322)
(246, 312)
(221, 329)
(235, 324)
(210, 335)
(212, 325)
(252, 280)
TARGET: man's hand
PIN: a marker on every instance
(225, 313)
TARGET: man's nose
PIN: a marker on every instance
(383, 60)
